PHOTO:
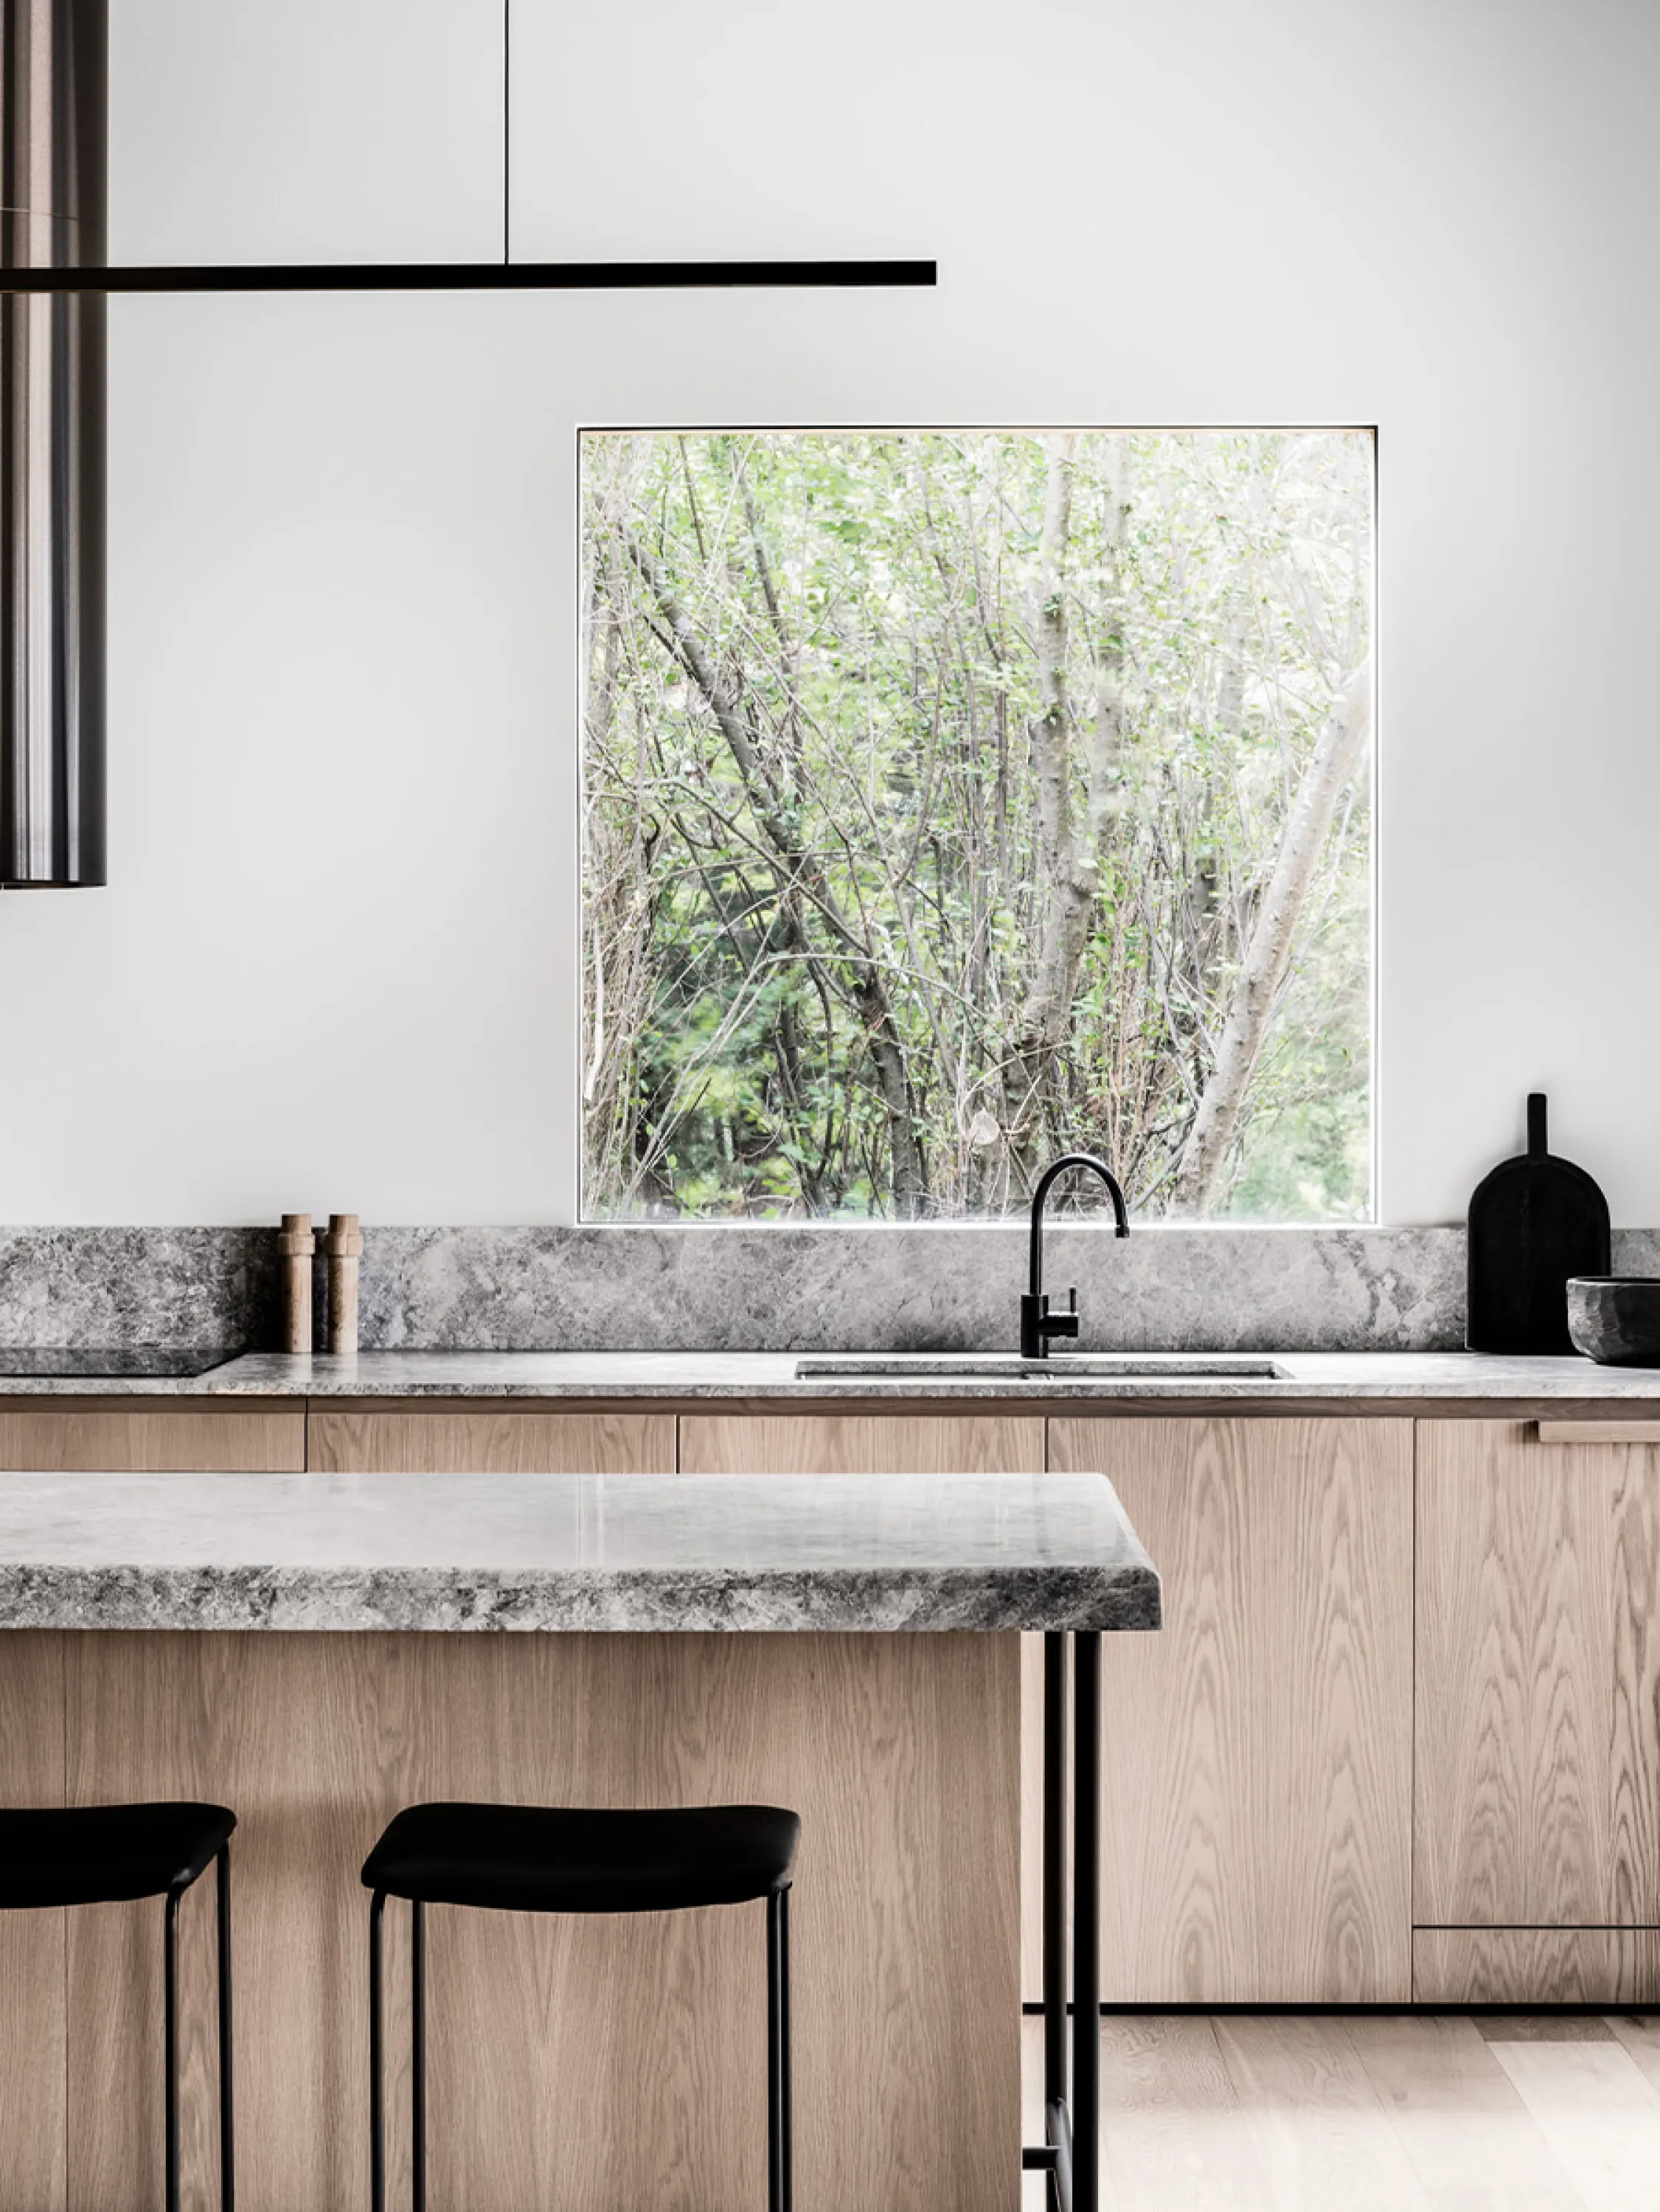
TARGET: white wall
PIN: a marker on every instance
(295, 131)
(335, 964)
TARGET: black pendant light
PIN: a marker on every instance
(53, 111)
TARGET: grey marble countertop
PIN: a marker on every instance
(1450, 1376)
(580, 1552)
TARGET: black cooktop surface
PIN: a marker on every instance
(137, 1363)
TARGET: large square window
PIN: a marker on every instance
(954, 798)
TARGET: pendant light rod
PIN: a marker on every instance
(479, 277)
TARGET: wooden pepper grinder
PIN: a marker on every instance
(296, 1244)
(343, 1247)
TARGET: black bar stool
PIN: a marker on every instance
(529, 1858)
(111, 1855)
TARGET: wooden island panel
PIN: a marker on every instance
(31, 1944)
(598, 2065)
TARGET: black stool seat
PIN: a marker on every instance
(106, 1854)
(534, 1858)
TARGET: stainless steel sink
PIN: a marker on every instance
(1060, 1367)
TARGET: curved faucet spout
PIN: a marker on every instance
(1057, 1168)
(1038, 1323)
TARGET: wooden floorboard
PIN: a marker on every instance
(1599, 2113)
(1313, 2117)
(1640, 2034)
(1455, 2112)
(1543, 2027)
(1417, 2112)
(1175, 2136)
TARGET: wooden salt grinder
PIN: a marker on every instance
(296, 1244)
(343, 1247)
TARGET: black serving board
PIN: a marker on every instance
(1533, 1222)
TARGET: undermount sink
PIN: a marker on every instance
(1060, 1367)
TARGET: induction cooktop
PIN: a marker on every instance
(136, 1362)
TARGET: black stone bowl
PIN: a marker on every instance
(1616, 1319)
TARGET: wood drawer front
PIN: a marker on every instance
(154, 1439)
(1538, 1668)
(1531, 1967)
(861, 1443)
(348, 1440)
(1258, 1749)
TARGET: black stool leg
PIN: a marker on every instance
(377, 2062)
(778, 2052)
(170, 2043)
(418, 2056)
(1086, 1924)
(227, 2132)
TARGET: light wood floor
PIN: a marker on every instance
(1403, 2113)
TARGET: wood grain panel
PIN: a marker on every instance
(1535, 1966)
(1538, 1670)
(32, 2062)
(152, 1436)
(1258, 1750)
(600, 2065)
(861, 1443)
(491, 1440)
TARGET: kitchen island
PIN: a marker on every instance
(279, 1643)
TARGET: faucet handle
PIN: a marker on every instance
(1072, 1299)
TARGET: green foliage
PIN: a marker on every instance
(818, 873)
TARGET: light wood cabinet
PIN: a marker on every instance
(152, 1435)
(492, 1439)
(861, 1443)
(1538, 1673)
(1258, 1750)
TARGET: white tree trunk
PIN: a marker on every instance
(1068, 854)
(1257, 987)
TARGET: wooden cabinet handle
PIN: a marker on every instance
(1599, 1433)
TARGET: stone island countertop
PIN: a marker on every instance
(572, 1552)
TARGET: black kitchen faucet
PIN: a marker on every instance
(1038, 1323)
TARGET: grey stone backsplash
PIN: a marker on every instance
(764, 1289)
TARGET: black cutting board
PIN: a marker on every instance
(1533, 1222)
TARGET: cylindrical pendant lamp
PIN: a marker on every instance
(53, 194)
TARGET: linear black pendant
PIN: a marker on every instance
(1534, 1221)
(53, 103)
(479, 277)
